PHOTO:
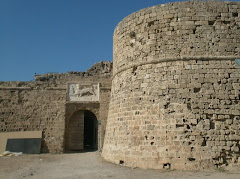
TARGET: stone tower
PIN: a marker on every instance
(175, 89)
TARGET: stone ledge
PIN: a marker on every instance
(30, 88)
(82, 102)
(55, 88)
(16, 88)
(170, 59)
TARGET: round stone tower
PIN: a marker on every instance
(175, 90)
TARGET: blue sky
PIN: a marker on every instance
(41, 36)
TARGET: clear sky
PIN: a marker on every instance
(42, 36)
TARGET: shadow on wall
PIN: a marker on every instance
(44, 147)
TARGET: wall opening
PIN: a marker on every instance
(82, 131)
(90, 131)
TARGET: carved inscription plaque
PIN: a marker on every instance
(83, 92)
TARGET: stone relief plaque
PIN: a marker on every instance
(83, 92)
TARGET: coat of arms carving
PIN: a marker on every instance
(83, 92)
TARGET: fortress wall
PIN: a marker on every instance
(105, 95)
(175, 89)
(187, 117)
(182, 29)
(42, 104)
(24, 109)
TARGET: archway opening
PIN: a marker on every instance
(90, 131)
(82, 133)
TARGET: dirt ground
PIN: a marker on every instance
(90, 165)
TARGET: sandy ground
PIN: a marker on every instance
(90, 165)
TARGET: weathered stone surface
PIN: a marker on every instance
(174, 97)
(42, 105)
(175, 88)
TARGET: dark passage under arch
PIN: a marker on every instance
(90, 131)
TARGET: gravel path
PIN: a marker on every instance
(90, 165)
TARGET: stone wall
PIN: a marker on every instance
(75, 138)
(175, 89)
(30, 109)
(182, 29)
(42, 104)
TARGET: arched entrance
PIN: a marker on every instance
(82, 132)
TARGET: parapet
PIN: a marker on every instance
(103, 69)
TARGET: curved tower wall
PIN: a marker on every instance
(175, 89)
